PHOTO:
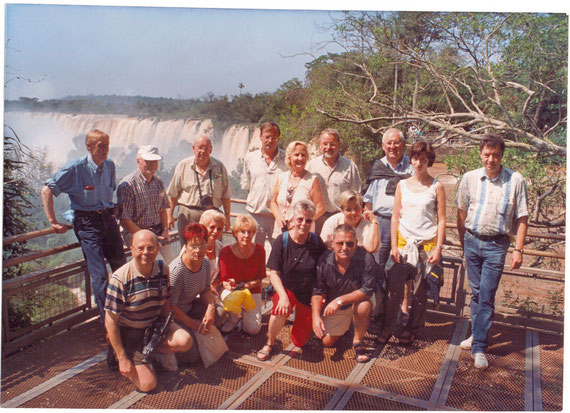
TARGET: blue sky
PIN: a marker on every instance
(172, 52)
(151, 51)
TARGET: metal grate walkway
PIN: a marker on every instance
(525, 373)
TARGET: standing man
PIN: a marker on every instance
(261, 169)
(139, 292)
(143, 203)
(336, 174)
(379, 197)
(200, 182)
(346, 277)
(491, 207)
(90, 182)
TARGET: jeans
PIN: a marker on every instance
(99, 238)
(484, 261)
(384, 228)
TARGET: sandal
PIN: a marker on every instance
(383, 337)
(407, 339)
(264, 355)
(361, 353)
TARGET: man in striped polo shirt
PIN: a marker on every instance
(491, 208)
(137, 293)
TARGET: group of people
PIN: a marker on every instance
(337, 258)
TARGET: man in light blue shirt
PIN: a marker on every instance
(379, 196)
(379, 199)
(90, 182)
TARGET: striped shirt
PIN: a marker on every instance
(137, 299)
(492, 205)
(140, 200)
(186, 284)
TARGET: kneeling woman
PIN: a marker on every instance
(292, 267)
(191, 293)
(242, 265)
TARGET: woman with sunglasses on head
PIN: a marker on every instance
(292, 268)
(295, 185)
(417, 236)
(191, 289)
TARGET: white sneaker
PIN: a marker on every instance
(466, 344)
(168, 361)
(228, 326)
(480, 361)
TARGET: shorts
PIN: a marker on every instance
(133, 343)
(338, 323)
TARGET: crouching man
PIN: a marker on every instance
(343, 287)
(137, 293)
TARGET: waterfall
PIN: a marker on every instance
(174, 138)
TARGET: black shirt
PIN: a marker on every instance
(360, 275)
(297, 264)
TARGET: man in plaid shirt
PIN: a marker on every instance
(143, 202)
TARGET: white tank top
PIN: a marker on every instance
(418, 217)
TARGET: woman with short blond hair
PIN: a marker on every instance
(242, 265)
(214, 221)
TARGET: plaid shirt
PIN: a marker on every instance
(141, 201)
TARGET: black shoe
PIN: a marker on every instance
(403, 318)
(112, 362)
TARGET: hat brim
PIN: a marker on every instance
(150, 157)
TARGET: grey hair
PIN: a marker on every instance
(392, 130)
(345, 228)
(304, 205)
(331, 131)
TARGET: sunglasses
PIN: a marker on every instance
(307, 220)
(289, 196)
(349, 244)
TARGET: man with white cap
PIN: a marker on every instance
(143, 201)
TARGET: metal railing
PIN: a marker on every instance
(46, 301)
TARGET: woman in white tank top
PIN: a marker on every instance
(417, 236)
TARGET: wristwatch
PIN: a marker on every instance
(339, 302)
(517, 250)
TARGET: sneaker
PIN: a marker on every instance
(466, 344)
(480, 361)
(167, 361)
(229, 326)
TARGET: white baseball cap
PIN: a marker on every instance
(149, 153)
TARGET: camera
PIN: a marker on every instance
(206, 202)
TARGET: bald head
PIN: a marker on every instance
(144, 235)
(202, 149)
(144, 250)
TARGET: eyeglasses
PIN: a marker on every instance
(195, 247)
(300, 220)
(349, 244)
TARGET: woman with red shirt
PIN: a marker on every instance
(242, 265)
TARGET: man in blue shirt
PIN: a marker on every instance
(90, 182)
(379, 196)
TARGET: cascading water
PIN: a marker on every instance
(174, 138)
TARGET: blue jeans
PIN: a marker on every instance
(384, 229)
(99, 238)
(484, 261)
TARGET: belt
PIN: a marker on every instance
(487, 237)
(383, 216)
(103, 211)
